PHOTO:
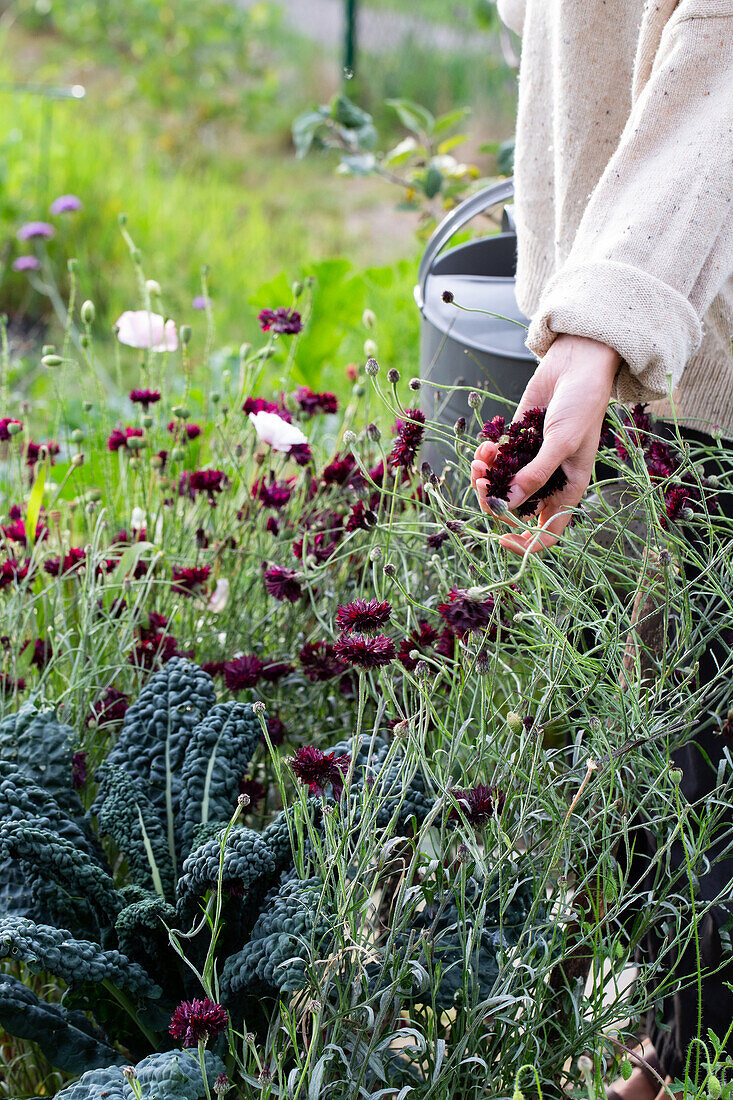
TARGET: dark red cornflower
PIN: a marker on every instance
(422, 639)
(155, 646)
(276, 730)
(207, 481)
(119, 437)
(190, 579)
(12, 570)
(196, 1022)
(75, 558)
(272, 526)
(145, 398)
(281, 320)
(242, 672)
(410, 431)
(300, 453)
(320, 661)
(78, 770)
(259, 404)
(340, 470)
(4, 433)
(273, 494)
(42, 653)
(463, 614)
(282, 584)
(365, 652)
(660, 461)
(676, 501)
(319, 546)
(493, 430)
(275, 670)
(33, 452)
(252, 787)
(479, 804)
(364, 615)
(316, 769)
(214, 668)
(360, 518)
(311, 402)
(10, 684)
(16, 532)
(639, 424)
(446, 644)
(184, 431)
(109, 708)
(523, 443)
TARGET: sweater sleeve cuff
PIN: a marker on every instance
(651, 325)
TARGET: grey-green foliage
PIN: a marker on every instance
(125, 813)
(56, 951)
(292, 921)
(157, 730)
(217, 756)
(391, 786)
(172, 1075)
(66, 1037)
(494, 920)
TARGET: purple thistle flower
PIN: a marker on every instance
(36, 231)
(365, 652)
(364, 615)
(26, 263)
(479, 804)
(282, 584)
(281, 320)
(196, 1022)
(66, 204)
(78, 770)
(317, 769)
(242, 672)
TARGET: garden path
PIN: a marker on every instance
(380, 31)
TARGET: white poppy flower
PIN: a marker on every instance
(139, 329)
(272, 429)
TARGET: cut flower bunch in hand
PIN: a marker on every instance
(518, 443)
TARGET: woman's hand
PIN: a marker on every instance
(573, 382)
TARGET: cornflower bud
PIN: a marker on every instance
(474, 400)
(368, 319)
(129, 1073)
(185, 334)
(434, 480)
(244, 350)
(77, 460)
(87, 312)
(460, 425)
(215, 397)
(136, 443)
(389, 569)
(297, 289)
(393, 376)
(147, 422)
(675, 775)
(422, 670)
(177, 454)
(85, 340)
(401, 728)
(48, 349)
(358, 390)
(243, 800)
(122, 219)
(371, 366)
(222, 1085)
(426, 470)
(87, 406)
(463, 854)
(349, 438)
(136, 257)
(585, 1065)
(497, 506)
(259, 707)
(414, 383)
(72, 265)
(14, 427)
(370, 349)
(375, 554)
(374, 433)
(514, 723)
(249, 1038)
(152, 286)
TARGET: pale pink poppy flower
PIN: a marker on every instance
(219, 597)
(139, 329)
(272, 429)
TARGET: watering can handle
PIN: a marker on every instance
(455, 220)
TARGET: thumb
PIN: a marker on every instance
(534, 475)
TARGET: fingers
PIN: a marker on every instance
(553, 520)
(482, 492)
(536, 473)
(486, 452)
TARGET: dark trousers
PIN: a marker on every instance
(672, 1023)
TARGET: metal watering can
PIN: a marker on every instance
(471, 349)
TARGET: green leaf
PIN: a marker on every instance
(451, 143)
(505, 157)
(402, 152)
(362, 164)
(343, 111)
(35, 500)
(416, 118)
(305, 128)
(450, 119)
(432, 181)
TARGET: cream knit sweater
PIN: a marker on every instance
(624, 191)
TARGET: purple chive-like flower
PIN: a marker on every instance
(479, 804)
(242, 672)
(363, 651)
(66, 204)
(78, 770)
(364, 615)
(196, 1022)
(281, 320)
(317, 769)
(145, 397)
(26, 263)
(201, 301)
(282, 584)
(36, 231)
